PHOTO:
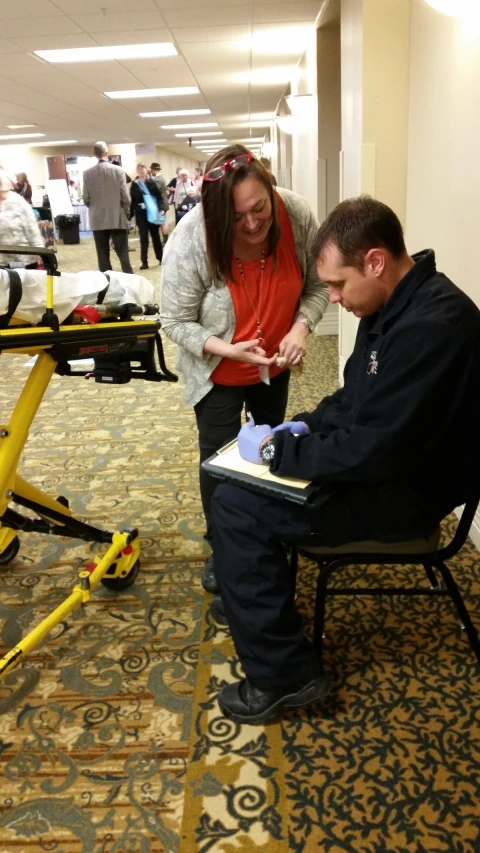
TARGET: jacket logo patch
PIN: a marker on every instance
(373, 363)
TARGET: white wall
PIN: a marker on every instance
(443, 180)
(443, 186)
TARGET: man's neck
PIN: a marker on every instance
(397, 274)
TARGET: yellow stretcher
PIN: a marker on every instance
(122, 349)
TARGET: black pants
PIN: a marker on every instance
(219, 416)
(144, 229)
(120, 243)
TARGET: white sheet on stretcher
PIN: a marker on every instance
(73, 289)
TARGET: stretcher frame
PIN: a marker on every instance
(54, 346)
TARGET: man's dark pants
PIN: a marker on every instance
(120, 243)
(255, 580)
(219, 416)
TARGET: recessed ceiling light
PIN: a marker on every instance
(57, 142)
(153, 93)
(202, 133)
(110, 52)
(198, 124)
(21, 135)
(172, 113)
(18, 126)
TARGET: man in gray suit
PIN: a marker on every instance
(105, 194)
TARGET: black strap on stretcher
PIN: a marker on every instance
(14, 297)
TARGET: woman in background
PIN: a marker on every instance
(146, 205)
(18, 226)
(23, 188)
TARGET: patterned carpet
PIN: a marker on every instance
(110, 736)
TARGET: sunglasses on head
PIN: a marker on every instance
(219, 171)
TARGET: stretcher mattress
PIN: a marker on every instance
(73, 289)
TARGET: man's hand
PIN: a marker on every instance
(293, 346)
(250, 439)
(295, 427)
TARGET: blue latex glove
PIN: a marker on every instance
(250, 438)
(295, 427)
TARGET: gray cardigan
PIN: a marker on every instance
(193, 307)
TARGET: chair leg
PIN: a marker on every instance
(459, 603)
(434, 583)
(319, 617)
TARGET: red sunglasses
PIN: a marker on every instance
(219, 171)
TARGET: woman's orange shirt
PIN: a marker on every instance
(281, 292)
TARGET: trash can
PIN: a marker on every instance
(68, 227)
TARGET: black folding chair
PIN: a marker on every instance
(423, 552)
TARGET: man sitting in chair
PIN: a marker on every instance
(393, 451)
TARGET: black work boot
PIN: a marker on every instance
(209, 581)
(244, 703)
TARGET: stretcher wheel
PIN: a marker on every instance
(11, 552)
(123, 583)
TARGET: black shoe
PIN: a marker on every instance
(217, 611)
(144, 267)
(246, 704)
(209, 581)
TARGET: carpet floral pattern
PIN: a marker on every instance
(111, 740)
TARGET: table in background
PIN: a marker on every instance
(82, 211)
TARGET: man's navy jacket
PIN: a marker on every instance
(400, 442)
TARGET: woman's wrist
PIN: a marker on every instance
(302, 325)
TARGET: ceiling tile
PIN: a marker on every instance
(102, 76)
(38, 26)
(124, 22)
(131, 36)
(218, 5)
(11, 9)
(278, 12)
(75, 8)
(208, 17)
(50, 41)
(227, 56)
(183, 35)
(7, 47)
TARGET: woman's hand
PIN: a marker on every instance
(293, 346)
(250, 352)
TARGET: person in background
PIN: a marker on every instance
(184, 184)
(162, 186)
(267, 164)
(22, 187)
(105, 194)
(72, 191)
(239, 289)
(18, 225)
(172, 184)
(198, 178)
(147, 207)
(191, 201)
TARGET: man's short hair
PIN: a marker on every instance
(100, 149)
(183, 172)
(155, 166)
(357, 225)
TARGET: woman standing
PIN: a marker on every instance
(239, 289)
(146, 205)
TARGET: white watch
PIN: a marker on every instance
(306, 322)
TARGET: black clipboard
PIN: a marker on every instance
(275, 489)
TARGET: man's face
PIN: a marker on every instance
(154, 172)
(184, 178)
(360, 293)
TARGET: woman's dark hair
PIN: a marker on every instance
(357, 225)
(219, 213)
